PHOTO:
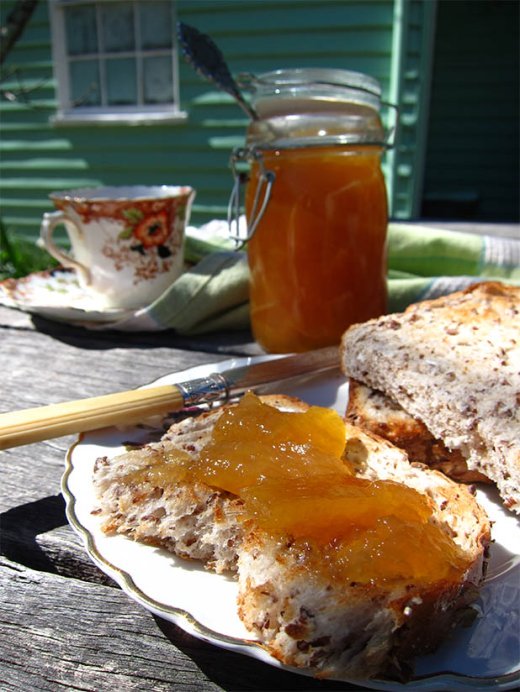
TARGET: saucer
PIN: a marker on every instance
(57, 295)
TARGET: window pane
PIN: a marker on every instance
(84, 83)
(121, 82)
(157, 76)
(117, 20)
(80, 29)
(156, 24)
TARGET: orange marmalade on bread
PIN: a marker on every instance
(290, 472)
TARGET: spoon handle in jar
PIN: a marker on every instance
(205, 56)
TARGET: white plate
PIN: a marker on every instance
(484, 656)
(57, 295)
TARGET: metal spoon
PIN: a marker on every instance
(205, 56)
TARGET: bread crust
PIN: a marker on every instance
(454, 364)
(372, 410)
(340, 631)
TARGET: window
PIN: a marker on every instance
(115, 60)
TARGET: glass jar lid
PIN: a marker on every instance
(314, 106)
(312, 84)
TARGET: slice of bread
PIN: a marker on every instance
(374, 411)
(454, 364)
(303, 618)
(351, 629)
(191, 520)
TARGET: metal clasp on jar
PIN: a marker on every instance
(240, 158)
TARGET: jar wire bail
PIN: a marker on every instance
(262, 196)
(391, 130)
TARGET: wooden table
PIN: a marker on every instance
(64, 624)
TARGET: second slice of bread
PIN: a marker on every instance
(454, 364)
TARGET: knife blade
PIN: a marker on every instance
(127, 408)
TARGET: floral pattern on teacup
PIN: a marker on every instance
(151, 232)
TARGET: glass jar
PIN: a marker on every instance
(316, 207)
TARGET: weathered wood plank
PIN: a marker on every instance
(60, 633)
(56, 633)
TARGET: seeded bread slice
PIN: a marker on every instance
(341, 631)
(191, 520)
(454, 364)
(352, 629)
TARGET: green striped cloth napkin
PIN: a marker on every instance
(423, 263)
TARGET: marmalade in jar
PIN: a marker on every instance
(315, 205)
(318, 256)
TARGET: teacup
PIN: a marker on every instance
(127, 243)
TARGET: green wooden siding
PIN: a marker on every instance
(415, 25)
(254, 35)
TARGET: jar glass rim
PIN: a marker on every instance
(317, 75)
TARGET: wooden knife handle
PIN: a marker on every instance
(47, 422)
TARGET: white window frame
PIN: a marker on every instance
(67, 113)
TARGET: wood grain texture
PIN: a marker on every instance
(45, 644)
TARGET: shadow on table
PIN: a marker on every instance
(236, 672)
(241, 342)
(37, 535)
(21, 525)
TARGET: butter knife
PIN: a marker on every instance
(47, 422)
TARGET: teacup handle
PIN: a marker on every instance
(49, 222)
